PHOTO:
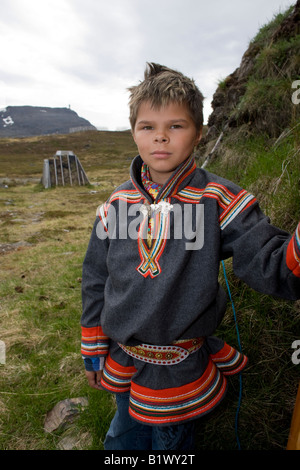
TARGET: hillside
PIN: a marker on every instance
(257, 95)
(253, 139)
(29, 121)
(253, 133)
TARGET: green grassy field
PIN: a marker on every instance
(43, 238)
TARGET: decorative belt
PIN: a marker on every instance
(164, 355)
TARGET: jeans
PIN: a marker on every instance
(127, 434)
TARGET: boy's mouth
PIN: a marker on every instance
(160, 153)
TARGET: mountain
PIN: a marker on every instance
(28, 121)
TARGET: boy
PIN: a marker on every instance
(151, 298)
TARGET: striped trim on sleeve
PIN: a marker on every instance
(94, 342)
(236, 206)
(293, 253)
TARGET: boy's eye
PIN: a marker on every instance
(176, 126)
(147, 128)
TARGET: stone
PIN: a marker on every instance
(73, 441)
(64, 413)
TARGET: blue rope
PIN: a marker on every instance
(240, 347)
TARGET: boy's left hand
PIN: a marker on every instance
(94, 379)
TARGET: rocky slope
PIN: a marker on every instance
(28, 121)
(257, 95)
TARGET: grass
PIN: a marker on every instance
(40, 289)
(94, 149)
(266, 100)
(262, 38)
(270, 169)
(272, 61)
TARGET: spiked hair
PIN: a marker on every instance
(162, 86)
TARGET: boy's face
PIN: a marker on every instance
(165, 138)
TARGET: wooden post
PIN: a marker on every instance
(77, 169)
(294, 437)
(70, 174)
(62, 171)
(83, 173)
(82, 176)
(55, 170)
(46, 174)
(213, 150)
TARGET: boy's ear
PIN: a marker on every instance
(133, 135)
(199, 136)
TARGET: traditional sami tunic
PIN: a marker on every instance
(152, 302)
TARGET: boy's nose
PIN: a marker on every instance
(161, 137)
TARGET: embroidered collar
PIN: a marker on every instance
(178, 179)
(151, 187)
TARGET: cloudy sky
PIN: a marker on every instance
(85, 54)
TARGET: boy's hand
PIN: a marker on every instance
(94, 379)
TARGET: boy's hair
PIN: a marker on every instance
(162, 86)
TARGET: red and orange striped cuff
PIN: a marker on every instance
(293, 253)
(94, 342)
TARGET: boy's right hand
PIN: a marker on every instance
(94, 379)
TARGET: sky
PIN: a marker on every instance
(85, 54)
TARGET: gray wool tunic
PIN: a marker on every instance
(134, 294)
